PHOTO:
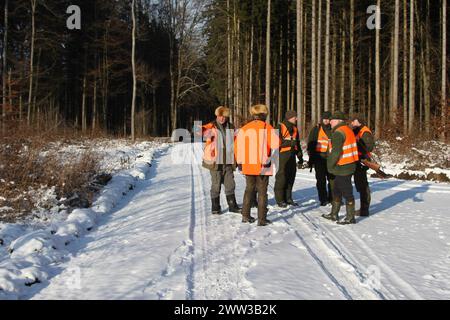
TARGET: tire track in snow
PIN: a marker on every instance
(330, 262)
(398, 288)
(224, 262)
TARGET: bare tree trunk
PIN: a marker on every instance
(405, 67)
(229, 51)
(369, 92)
(412, 70)
(83, 107)
(250, 73)
(394, 98)
(334, 73)
(268, 72)
(133, 64)
(313, 63)
(319, 63)
(5, 64)
(327, 58)
(444, 71)
(94, 106)
(377, 75)
(299, 42)
(33, 36)
(343, 61)
(352, 57)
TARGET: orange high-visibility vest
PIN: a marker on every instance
(361, 132)
(287, 136)
(253, 147)
(322, 141)
(211, 136)
(349, 153)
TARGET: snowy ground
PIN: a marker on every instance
(32, 250)
(161, 242)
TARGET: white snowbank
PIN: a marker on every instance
(26, 256)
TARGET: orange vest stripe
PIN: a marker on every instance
(349, 152)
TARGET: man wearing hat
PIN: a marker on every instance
(366, 144)
(218, 158)
(341, 163)
(255, 146)
(290, 149)
(318, 139)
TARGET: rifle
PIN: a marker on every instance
(371, 164)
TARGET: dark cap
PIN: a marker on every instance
(290, 114)
(326, 115)
(358, 116)
(338, 115)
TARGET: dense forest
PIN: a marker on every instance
(146, 67)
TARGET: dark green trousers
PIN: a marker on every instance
(285, 177)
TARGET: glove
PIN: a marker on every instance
(293, 143)
(239, 167)
(300, 164)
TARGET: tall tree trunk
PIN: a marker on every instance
(83, 106)
(405, 67)
(319, 63)
(33, 36)
(133, 64)
(5, 64)
(94, 105)
(412, 70)
(268, 72)
(327, 58)
(352, 57)
(394, 98)
(444, 71)
(299, 48)
(229, 51)
(250, 70)
(343, 63)
(378, 74)
(334, 73)
(313, 63)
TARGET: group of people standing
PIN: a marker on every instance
(335, 148)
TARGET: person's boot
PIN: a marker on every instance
(248, 219)
(335, 208)
(280, 198)
(365, 204)
(232, 205)
(215, 206)
(289, 200)
(350, 216)
(264, 223)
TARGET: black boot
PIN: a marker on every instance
(282, 205)
(336, 207)
(215, 206)
(292, 203)
(264, 223)
(249, 219)
(232, 205)
(350, 217)
(365, 203)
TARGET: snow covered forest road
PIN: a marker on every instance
(161, 242)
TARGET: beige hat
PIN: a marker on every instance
(259, 109)
(222, 112)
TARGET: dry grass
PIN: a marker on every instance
(28, 164)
